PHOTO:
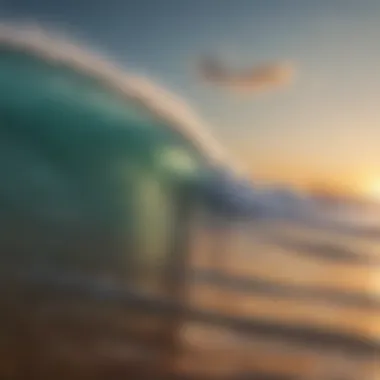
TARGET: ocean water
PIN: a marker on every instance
(322, 275)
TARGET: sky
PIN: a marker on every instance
(323, 128)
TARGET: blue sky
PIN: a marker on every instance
(326, 126)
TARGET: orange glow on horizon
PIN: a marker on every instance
(323, 183)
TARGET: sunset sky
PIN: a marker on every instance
(324, 127)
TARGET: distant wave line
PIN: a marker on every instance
(323, 251)
(255, 285)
